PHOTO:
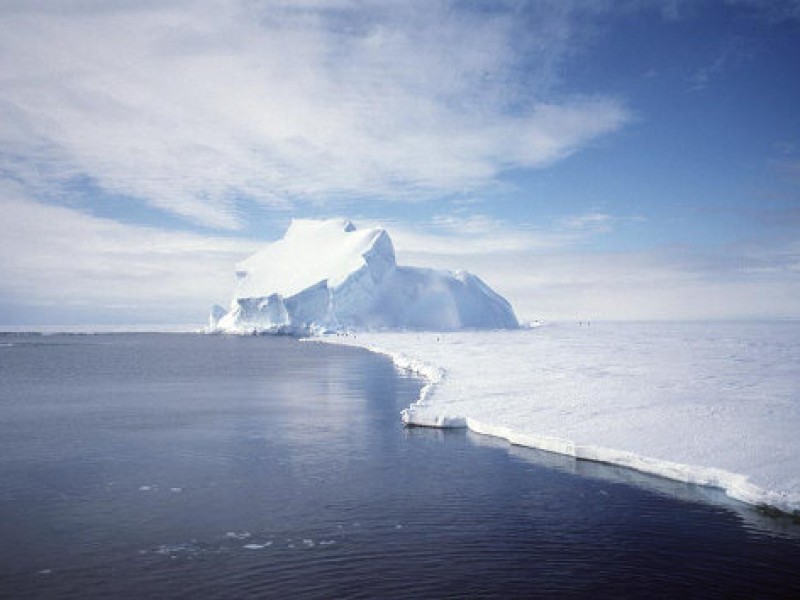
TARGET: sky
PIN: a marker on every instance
(600, 160)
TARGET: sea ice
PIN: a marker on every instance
(709, 403)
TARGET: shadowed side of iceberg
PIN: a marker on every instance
(305, 312)
(418, 298)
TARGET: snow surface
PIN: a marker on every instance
(329, 275)
(715, 404)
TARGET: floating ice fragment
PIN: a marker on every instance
(257, 546)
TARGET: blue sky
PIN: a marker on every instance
(605, 160)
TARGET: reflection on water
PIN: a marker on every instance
(183, 465)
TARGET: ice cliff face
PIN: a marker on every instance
(328, 275)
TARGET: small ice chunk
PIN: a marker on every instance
(176, 490)
(257, 546)
(235, 535)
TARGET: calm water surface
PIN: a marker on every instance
(178, 466)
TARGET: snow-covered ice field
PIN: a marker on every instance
(709, 403)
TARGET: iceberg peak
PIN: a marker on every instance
(328, 275)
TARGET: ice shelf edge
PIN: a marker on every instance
(735, 485)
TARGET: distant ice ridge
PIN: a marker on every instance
(714, 404)
(328, 276)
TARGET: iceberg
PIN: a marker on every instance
(327, 275)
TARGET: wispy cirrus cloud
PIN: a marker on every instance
(445, 240)
(448, 237)
(193, 106)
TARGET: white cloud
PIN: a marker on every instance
(191, 106)
(57, 261)
(593, 221)
(62, 266)
(547, 273)
(446, 238)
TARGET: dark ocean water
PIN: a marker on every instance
(189, 466)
